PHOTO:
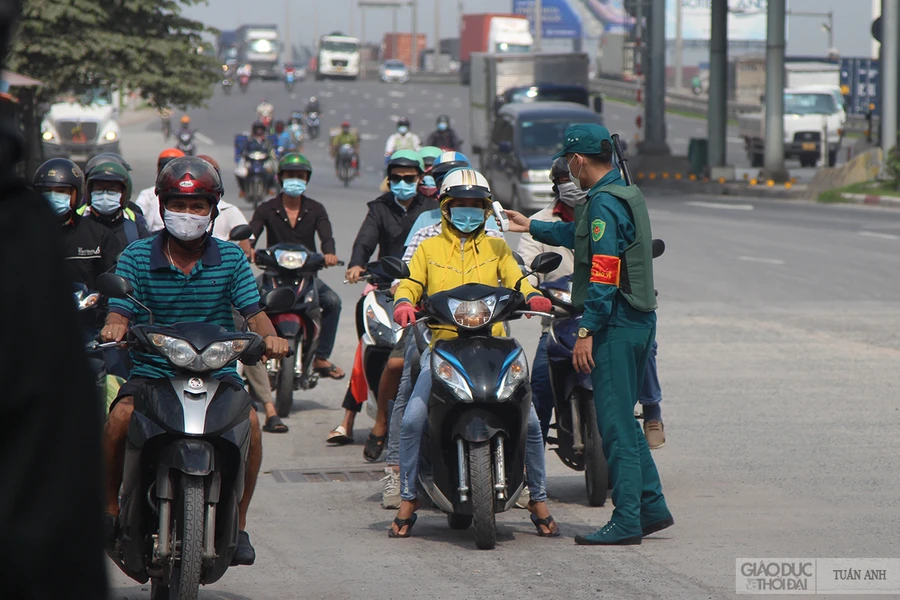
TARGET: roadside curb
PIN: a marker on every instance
(785, 191)
(872, 200)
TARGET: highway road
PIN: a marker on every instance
(779, 345)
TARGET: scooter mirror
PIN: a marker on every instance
(659, 247)
(279, 300)
(395, 267)
(114, 286)
(546, 262)
(240, 233)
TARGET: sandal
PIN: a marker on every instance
(340, 436)
(374, 447)
(401, 523)
(538, 522)
(331, 371)
(275, 425)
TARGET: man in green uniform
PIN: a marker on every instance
(613, 283)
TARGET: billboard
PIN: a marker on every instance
(559, 19)
(746, 20)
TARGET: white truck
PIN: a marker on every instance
(813, 116)
(82, 127)
(338, 56)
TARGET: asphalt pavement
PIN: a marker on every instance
(778, 358)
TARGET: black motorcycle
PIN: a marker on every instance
(186, 454)
(259, 176)
(186, 142)
(346, 163)
(293, 267)
(312, 125)
(479, 405)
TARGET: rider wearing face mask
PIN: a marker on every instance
(402, 140)
(428, 186)
(109, 192)
(90, 248)
(443, 136)
(567, 196)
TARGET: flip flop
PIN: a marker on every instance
(275, 425)
(374, 447)
(401, 523)
(339, 436)
(330, 371)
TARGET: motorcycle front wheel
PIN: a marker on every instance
(481, 482)
(596, 470)
(284, 391)
(184, 582)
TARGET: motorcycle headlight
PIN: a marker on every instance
(87, 301)
(219, 354)
(178, 351)
(290, 259)
(562, 295)
(447, 373)
(472, 314)
(515, 374)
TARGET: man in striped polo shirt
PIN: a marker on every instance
(183, 274)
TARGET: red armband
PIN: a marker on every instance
(605, 269)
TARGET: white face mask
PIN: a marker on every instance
(185, 226)
(575, 178)
(571, 194)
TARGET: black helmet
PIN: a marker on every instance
(402, 121)
(60, 171)
(443, 119)
(105, 158)
(559, 168)
(258, 125)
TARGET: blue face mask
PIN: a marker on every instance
(442, 126)
(402, 130)
(293, 187)
(403, 190)
(60, 202)
(467, 219)
(106, 203)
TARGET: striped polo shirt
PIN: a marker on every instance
(221, 279)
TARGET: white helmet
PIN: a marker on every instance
(465, 182)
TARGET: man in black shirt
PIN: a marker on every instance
(292, 217)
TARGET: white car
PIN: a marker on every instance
(394, 71)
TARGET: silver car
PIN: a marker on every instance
(394, 71)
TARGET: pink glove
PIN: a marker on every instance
(405, 314)
(539, 304)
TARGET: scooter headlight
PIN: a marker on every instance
(179, 352)
(219, 354)
(515, 374)
(562, 296)
(291, 259)
(86, 301)
(472, 314)
(447, 373)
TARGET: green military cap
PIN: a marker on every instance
(584, 138)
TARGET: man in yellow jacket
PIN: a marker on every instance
(461, 254)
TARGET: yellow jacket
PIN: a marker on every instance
(446, 261)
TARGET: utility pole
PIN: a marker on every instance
(415, 37)
(679, 45)
(890, 46)
(774, 105)
(352, 17)
(436, 7)
(718, 82)
(538, 24)
(655, 108)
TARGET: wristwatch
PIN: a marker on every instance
(584, 333)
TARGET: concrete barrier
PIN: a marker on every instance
(863, 167)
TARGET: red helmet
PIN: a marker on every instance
(189, 176)
(167, 155)
(345, 124)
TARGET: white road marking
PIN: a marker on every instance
(364, 122)
(203, 139)
(368, 136)
(396, 94)
(720, 205)
(768, 261)
(734, 140)
(881, 236)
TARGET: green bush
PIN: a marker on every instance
(892, 164)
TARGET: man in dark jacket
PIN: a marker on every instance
(443, 136)
(386, 227)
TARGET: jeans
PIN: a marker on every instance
(651, 392)
(541, 390)
(413, 425)
(331, 314)
(404, 390)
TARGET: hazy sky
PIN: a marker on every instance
(311, 17)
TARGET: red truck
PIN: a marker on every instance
(492, 32)
(398, 46)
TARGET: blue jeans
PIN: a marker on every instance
(331, 314)
(392, 457)
(651, 392)
(413, 425)
(541, 390)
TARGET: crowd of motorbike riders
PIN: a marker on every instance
(433, 202)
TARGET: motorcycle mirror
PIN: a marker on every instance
(395, 267)
(546, 262)
(279, 300)
(659, 247)
(240, 233)
(114, 286)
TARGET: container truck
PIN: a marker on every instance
(398, 46)
(258, 46)
(495, 33)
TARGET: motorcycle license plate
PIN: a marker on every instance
(808, 146)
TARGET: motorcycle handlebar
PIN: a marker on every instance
(533, 313)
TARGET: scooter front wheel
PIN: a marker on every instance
(481, 482)
(185, 581)
(596, 469)
(284, 393)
